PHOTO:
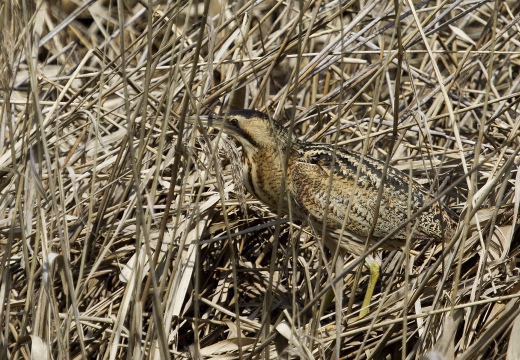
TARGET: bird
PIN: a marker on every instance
(331, 186)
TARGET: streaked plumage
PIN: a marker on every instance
(353, 189)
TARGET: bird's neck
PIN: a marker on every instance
(282, 138)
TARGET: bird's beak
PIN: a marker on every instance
(215, 121)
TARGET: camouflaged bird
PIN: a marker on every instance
(331, 185)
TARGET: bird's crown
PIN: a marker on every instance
(254, 129)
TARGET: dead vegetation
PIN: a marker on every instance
(101, 180)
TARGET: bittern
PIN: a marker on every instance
(330, 186)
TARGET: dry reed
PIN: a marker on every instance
(125, 233)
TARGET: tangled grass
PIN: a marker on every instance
(126, 233)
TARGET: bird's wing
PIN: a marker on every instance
(344, 185)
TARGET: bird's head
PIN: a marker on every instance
(253, 129)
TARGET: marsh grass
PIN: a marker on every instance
(127, 233)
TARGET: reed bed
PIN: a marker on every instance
(125, 232)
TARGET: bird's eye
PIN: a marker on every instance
(233, 121)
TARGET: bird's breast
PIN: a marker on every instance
(247, 174)
(263, 177)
